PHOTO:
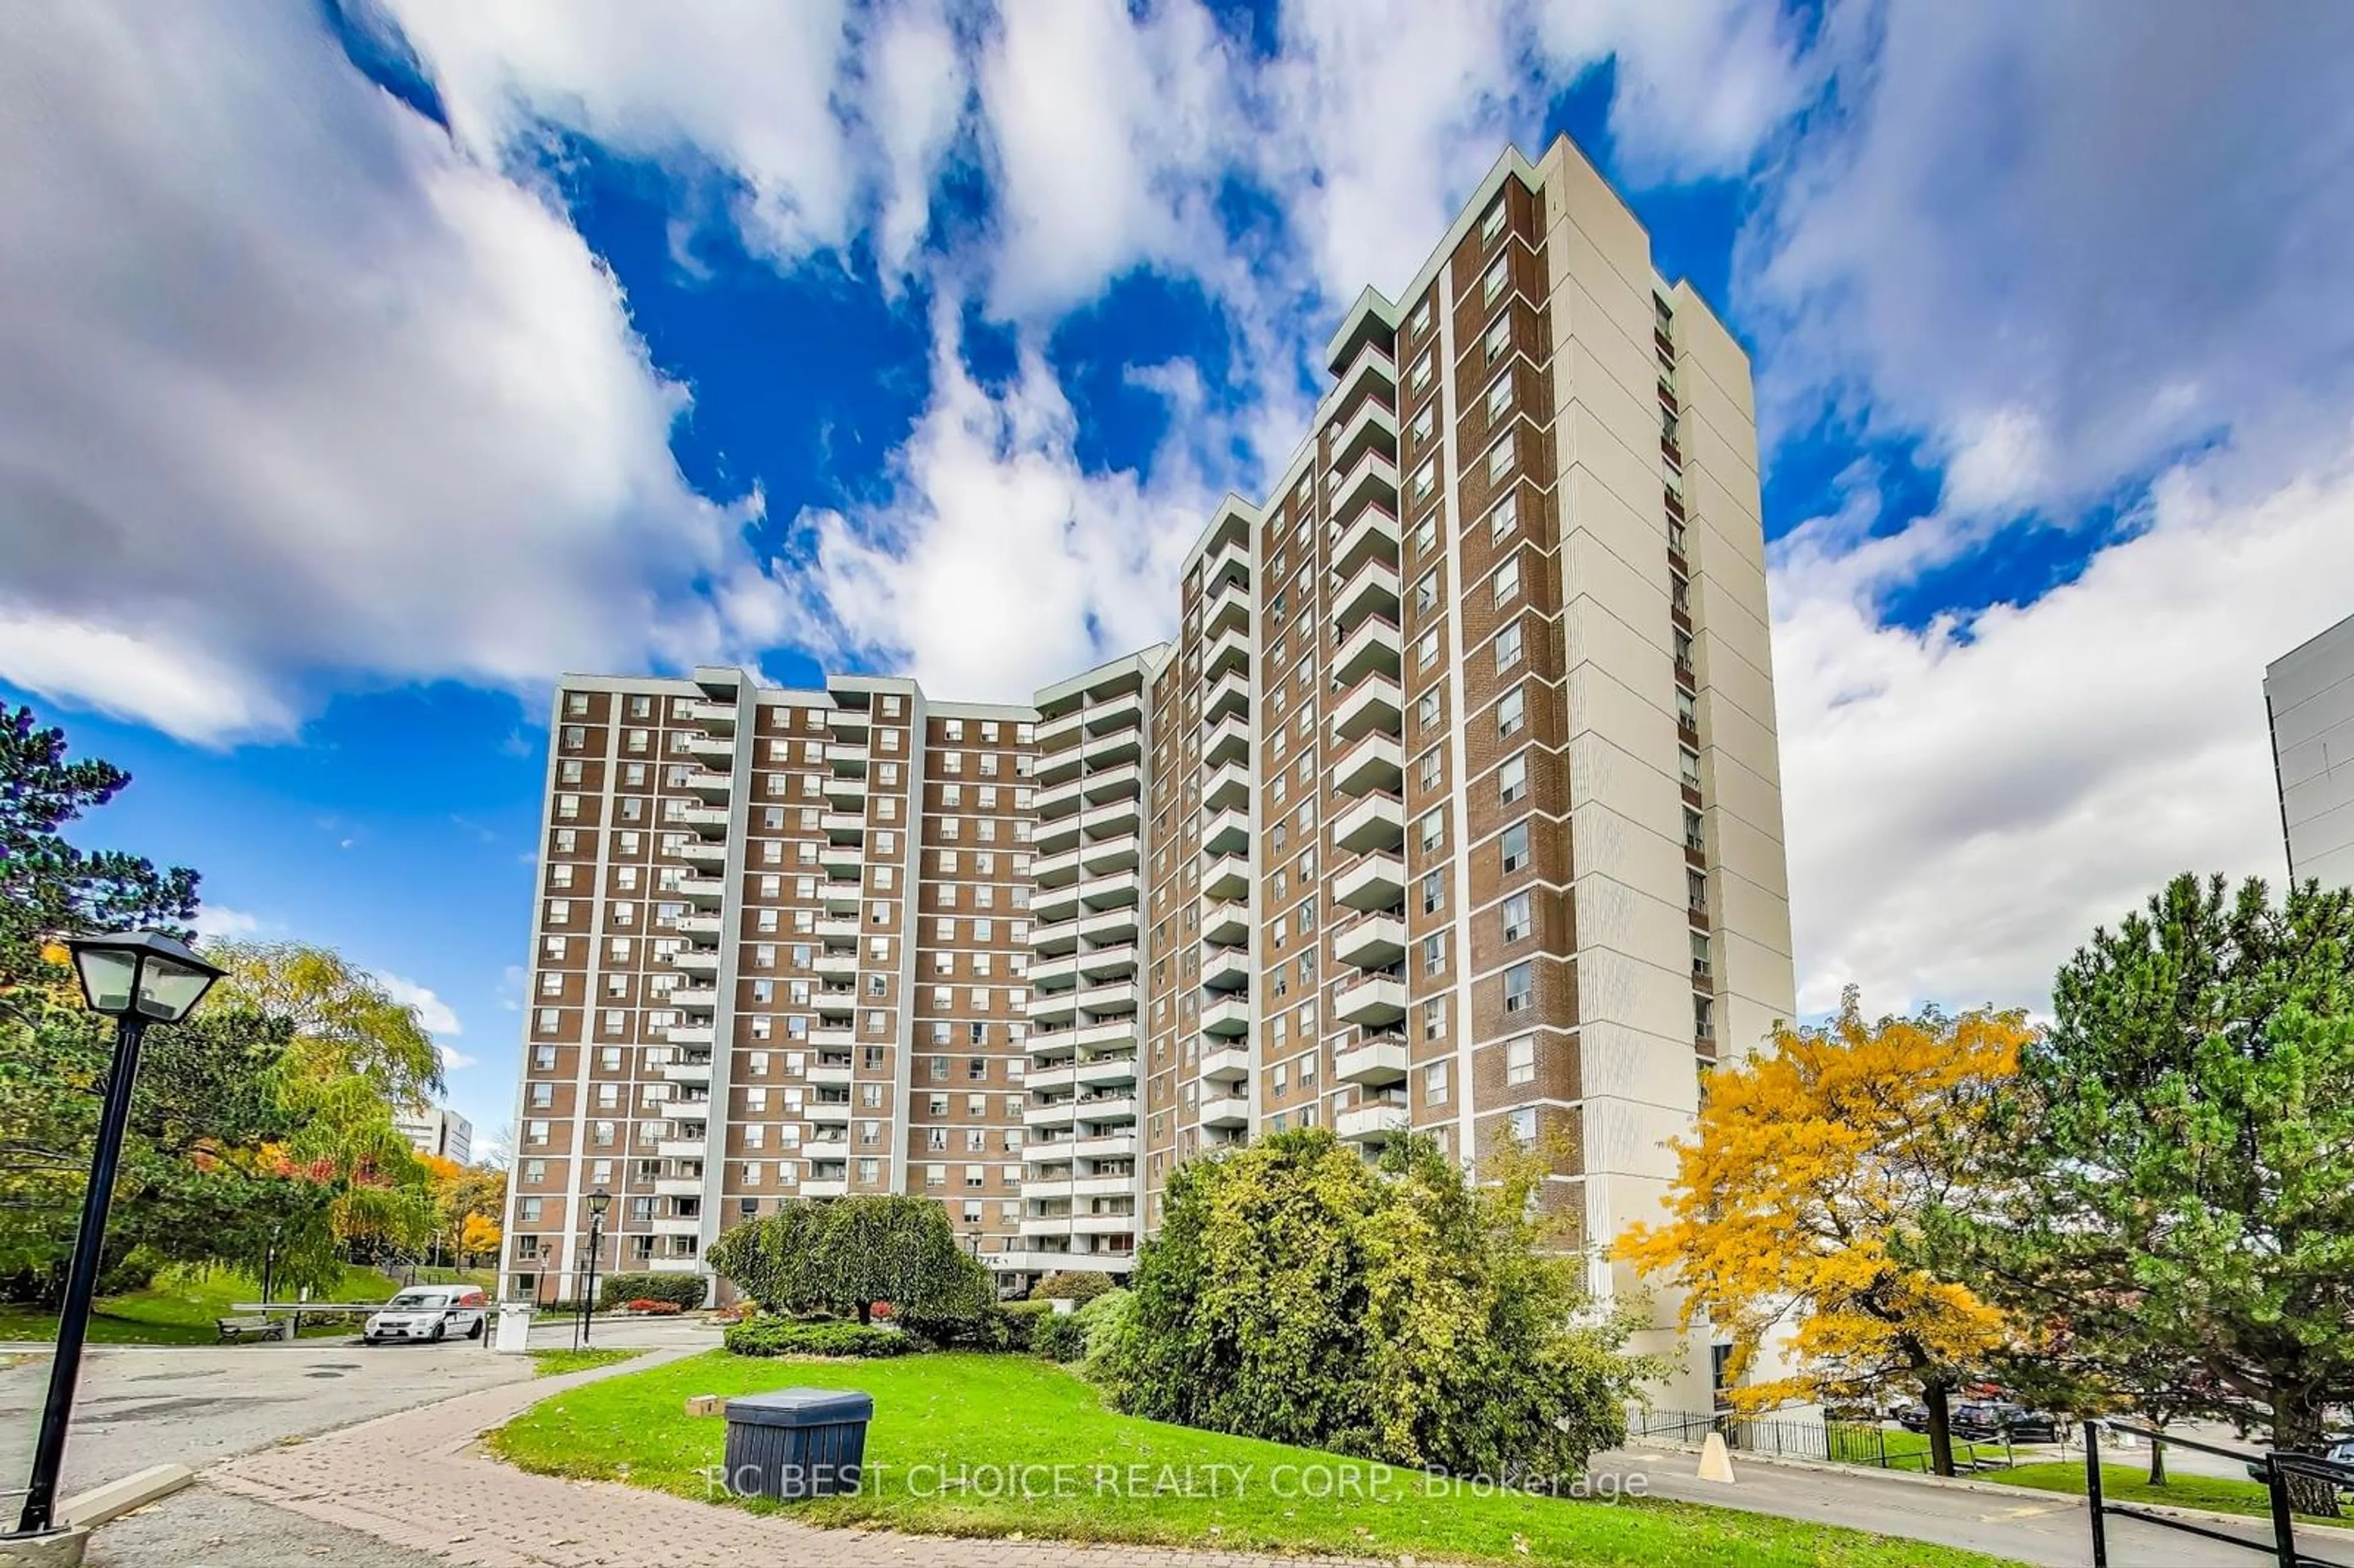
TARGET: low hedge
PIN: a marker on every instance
(788, 1337)
(1072, 1285)
(1060, 1336)
(686, 1290)
(1005, 1327)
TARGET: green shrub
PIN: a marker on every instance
(1105, 1318)
(999, 1326)
(1060, 1336)
(849, 1254)
(686, 1290)
(1072, 1285)
(787, 1337)
(1410, 1314)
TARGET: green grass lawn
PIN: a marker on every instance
(179, 1310)
(988, 1415)
(1852, 1443)
(555, 1363)
(2130, 1484)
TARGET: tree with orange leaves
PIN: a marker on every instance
(1798, 1197)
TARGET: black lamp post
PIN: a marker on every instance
(270, 1261)
(599, 1202)
(136, 977)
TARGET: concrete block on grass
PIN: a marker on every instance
(703, 1404)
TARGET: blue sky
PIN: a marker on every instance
(362, 368)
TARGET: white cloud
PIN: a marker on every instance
(433, 1014)
(296, 390)
(1966, 803)
(220, 923)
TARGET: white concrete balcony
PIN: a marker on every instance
(834, 1037)
(1229, 696)
(1053, 1010)
(1051, 1080)
(677, 1224)
(1226, 969)
(702, 819)
(1373, 427)
(1103, 1145)
(693, 924)
(830, 1113)
(1227, 924)
(679, 1147)
(713, 750)
(1377, 1123)
(835, 1001)
(842, 860)
(1057, 800)
(710, 784)
(1099, 1072)
(1227, 1064)
(839, 963)
(702, 892)
(1112, 1034)
(1053, 938)
(1371, 1061)
(1374, 536)
(673, 1265)
(825, 1187)
(847, 725)
(1377, 822)
(1227, 832)
(1045, 1191)
(1231, 1016)
(839, 929)
(1104, 966)
(1116, 818)
(695, 1071)
(1374, 705)
(693, 998)
(1055, 836)
(844, 826)
(1229, 649)
(1110, 928)
(1054, 1224)
(1373, 1002)
(1056, 767)
(1372, 481)
(1103, 1224)
(1048, 1149)
(1371, 649)
(1373, 941)
(1376, 881)
(1226, 560)
(1108, 753)
(1114, 782)
(688, 1034)
(678, 1186)
(1373, 591)
(1055, 906)
(1108, 998)
(1054, 974)
(1049, 1113)
(844, 791)
(1373, 373)
(1119, 890)
(714, 717)
(1226, 609)
(1227, 788)
(695, 960)
(1104, 1111)
(845, 757)
(705, 854)
(1226, 1110)
(1112, 1186)
(1109, 854)
(1121, 710)
(1374, 763)
(1052, 734)
(833, 1074)
(842, 894)
(1226, 742)
(1226, 879)
(1055, 870)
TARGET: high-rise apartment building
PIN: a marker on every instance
(2309, 699)
(437, 1130)
(1453, 807)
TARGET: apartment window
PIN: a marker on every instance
(1687, 710)
(1703, 1018)
(1516, 916)
(1687, 765)
(1497, 276)
(1426, 709)
(1428, 770)
(1426, 479)
(1493, 223)
(1508, 582)
(1418, 323)
(543, 1057)
(1509, 713)
(1505, 517)
(1434, 831)
(576, 704)
(1426, 650)
(1422, 424)
(1513, 778)
(1508, 647)
(1524, 1123)
(1500, 459)
(1519, 986)
(1426, 592)
(1426, 535)
(1499, 398)
(1424, 369)
(1499, 339)
(1434, 1084)
(1694, 838)
(1516, 847)
(1701, 964)
(1696, 890)
(1434, 953)
(1434, 1019)
(1520, 1059)
(1433, 892)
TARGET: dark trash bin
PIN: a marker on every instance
(797, 1443)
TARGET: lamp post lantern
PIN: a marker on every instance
(599, 1202)
(136, 977)
(270, 1261)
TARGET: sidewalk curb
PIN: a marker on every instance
(100, 1504)
(2335, 1534)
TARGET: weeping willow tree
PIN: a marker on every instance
(354, 1054)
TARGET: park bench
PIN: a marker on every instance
(232, 1330)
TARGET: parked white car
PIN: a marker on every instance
(431, 1312)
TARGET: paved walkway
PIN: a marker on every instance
(414, 1480)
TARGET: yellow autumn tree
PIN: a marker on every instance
(478, 1237)
(1810, 1168)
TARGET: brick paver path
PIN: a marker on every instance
(417, 1480)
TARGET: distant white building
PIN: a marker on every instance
(436, 1129)
(2309, 697)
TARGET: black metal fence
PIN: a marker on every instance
(2277, 1471)
(1825, 1441)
